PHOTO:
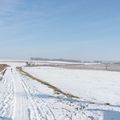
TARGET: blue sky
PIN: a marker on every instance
(73, 29)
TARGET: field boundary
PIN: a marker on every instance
(56, 90)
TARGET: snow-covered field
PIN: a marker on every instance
(91, 85)
(22, 98)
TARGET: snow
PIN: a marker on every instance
(25, 99)
(6, 97)
(91, 85)
(13, 63)
(22, 98)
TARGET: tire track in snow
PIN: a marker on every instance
(39, 113)
(26, 108)
(20, 98)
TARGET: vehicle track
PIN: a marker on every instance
(39, 107)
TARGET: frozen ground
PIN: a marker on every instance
(22, 98)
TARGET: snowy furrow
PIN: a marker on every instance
(35, 113)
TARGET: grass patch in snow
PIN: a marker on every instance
(56, 90)
(2, 70)
(3, 66)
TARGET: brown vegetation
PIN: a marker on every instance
(3, 66)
